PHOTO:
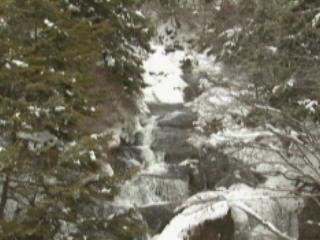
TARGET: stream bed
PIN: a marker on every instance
(191, 112)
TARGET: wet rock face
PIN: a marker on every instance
(308, 220)
(129, 152)
(193, 90)
(171, 136)
(157, 217)
(221, 229)
(160, 109)
(217, 170)
(173, 143)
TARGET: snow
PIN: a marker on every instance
(48, 23)
(221, 99)
(229, 33)
(276, 88)
(111, 62)
(73, 8)
(240, 135)
(3, 23)
(139, 13)
(164, 76)
(207, 63)
(316, 20)
(37, 111)
(192, 217)
(92, 156)
(107, 169)
(291, 82)
(3, 122)
(243, 201)
(20, 63)
(8, 66)
(309, 104)
(272, 49)
(59, 108)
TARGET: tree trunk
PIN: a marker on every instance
(4, 195)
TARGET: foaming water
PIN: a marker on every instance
(151, 185)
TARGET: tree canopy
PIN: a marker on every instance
(57, 61)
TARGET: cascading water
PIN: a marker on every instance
(171, 164)
(151, 185)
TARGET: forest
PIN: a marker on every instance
(159, 120)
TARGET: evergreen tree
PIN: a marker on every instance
(275, 43)
(58, 58)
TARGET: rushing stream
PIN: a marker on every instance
(176, 135)
(157, 182)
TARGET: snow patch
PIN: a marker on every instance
(92, 156)
(48, 23)
(241, 135)
(20, 63)
(316, 20)
(309, 105)
(230, 33)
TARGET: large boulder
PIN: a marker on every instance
(158, 216)
(220, 229)
(215, 169)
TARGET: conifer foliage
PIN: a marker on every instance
(276, 43)
(52, 54)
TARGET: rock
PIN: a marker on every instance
(178, 119)
(138, 138)
(173, 142)
(157, 217)
(187, 65)
(219, 170)
(178, 172)
(129, 153)
(160, 109)
(173, 48)
(221, 229)
(308, 221)
(190, 93)
(193, 80)
(197, 181)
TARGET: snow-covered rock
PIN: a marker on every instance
(257, 209)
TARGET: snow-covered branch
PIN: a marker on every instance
(265, 223)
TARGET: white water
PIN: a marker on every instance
(150, 186)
